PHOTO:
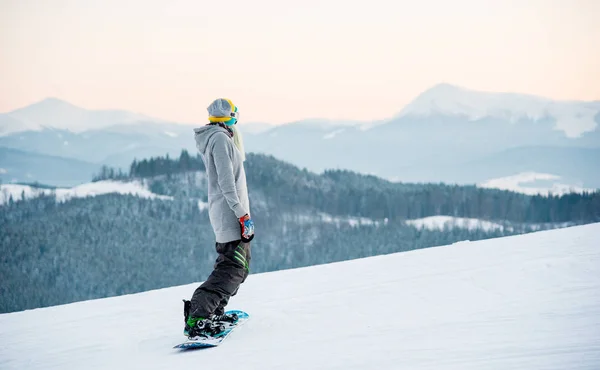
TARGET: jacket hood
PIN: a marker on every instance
(203, 135)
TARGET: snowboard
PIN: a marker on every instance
(210, 342)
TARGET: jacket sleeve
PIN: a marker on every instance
(223, 156)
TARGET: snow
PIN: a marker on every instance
(333, 134)
(106, 187)
(442, 222)
(81, 191)
(202, 206)
(572, 117)
(524, 302)
(518, 182)
(352, 221)
(430, 223)
(550, 225)
(171, 134)
(322, 217)
(17, 192)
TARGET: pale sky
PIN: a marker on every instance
(281, 61)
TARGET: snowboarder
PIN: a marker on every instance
(222, 149)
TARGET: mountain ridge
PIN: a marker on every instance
(23, 166)
(408, 146)
(572, 117)
(452, 96)
(59, 114)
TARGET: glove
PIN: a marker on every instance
(247, 228)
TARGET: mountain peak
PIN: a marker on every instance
(442, 88)
(50, 112)
(57, 113)
(49, 107)
(54, 100)
(50, 103)
(572, 117)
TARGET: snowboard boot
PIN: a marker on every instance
(227, 319)
(199, 326)
(187, 305)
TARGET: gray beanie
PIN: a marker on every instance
(220, 109)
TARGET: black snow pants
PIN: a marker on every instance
(231, 269)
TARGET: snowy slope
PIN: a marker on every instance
(524, 302)
(572, 117)
(81, 191)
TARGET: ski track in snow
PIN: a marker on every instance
(524, 302)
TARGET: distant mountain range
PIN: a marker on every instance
(447, 134)
(54, 113)
(571, 117)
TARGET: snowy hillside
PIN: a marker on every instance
(449, 222)
(572, 117)
(524, 302)
(18, 192)
(526, 183)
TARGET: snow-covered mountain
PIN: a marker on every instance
(572, 117)
(523, 302)
(454, 135)
(58, 114)
(447, 134)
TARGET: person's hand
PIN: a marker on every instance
(247, 228)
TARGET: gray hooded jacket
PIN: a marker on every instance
(227, 190)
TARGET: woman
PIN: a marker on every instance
(222, 150)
